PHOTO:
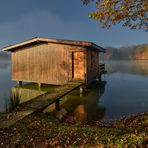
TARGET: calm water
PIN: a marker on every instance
(125, 92)
(5, 84)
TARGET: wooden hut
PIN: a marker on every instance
(55, 61)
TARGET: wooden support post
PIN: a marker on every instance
(57, 105)
(19, 83)
(82, 89)
(39, 85)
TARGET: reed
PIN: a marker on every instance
(14, 99)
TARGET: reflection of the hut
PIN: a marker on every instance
(23, 94)
(82, 108)
(26, 94)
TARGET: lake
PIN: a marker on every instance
(125, 92)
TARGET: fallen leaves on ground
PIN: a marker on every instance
(42, 130)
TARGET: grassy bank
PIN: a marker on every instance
(41, 130)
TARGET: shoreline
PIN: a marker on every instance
(43, 130)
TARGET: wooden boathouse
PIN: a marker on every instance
(55, 61)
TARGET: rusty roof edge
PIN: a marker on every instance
(57, 41)
(101, 49)
(12, 47)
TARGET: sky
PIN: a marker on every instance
(21, 20)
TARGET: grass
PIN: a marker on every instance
(42, 130)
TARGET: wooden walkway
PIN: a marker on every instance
(36, 104)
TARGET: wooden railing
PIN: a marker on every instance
(101, 69)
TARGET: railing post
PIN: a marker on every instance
(101, 68)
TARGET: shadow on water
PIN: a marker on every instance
(84, 108)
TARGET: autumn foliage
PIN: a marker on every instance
(131, 13)
(44, 131)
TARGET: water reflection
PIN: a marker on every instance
(22, 94)
(5, 83)
(139, 67)
(14, 101)
(125, 93)
(4, 63)
(82, 108)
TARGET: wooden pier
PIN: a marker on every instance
(36, 104)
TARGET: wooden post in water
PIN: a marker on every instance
(82, 89)
(39, 85)
(19, 83)
(57, 105)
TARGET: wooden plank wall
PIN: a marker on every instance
(79, 65)
(92, 65)
(46, 63)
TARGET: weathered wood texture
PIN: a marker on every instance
(92, 65)
(79, 65)
(48, 63)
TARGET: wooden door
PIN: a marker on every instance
(79, 65)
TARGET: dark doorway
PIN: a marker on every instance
(72, 64)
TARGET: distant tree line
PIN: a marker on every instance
(4, 56)
(139, 52)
